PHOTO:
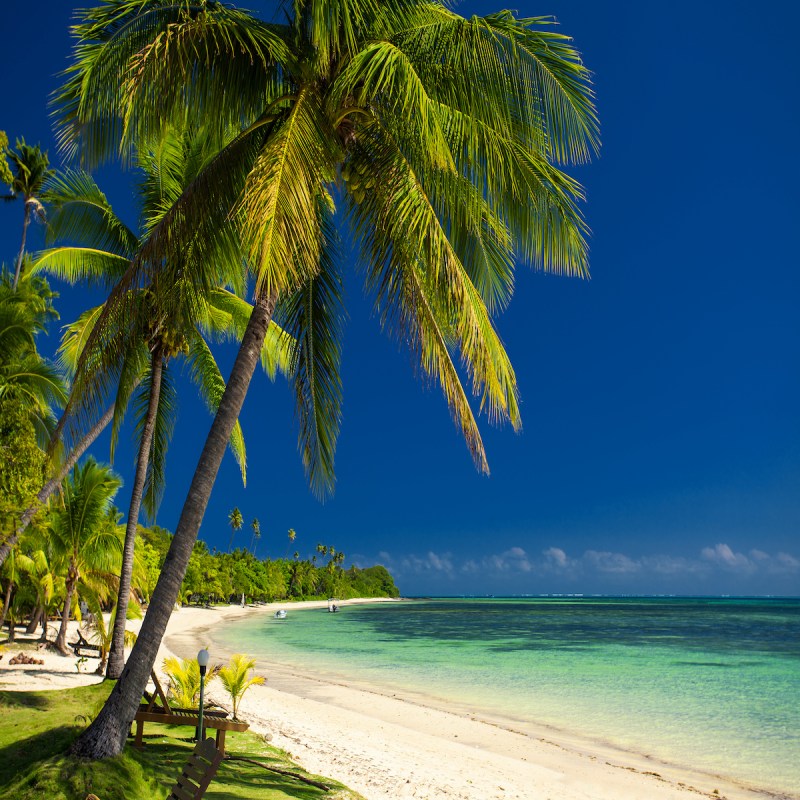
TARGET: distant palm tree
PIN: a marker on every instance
(30, 168)
(235, 520)
(256, 526)
(443, 137)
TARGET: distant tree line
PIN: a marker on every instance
(213, 577)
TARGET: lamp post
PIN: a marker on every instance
(202, 660)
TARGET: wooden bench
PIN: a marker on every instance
(165, 714)
(200, 769)
(84, 648)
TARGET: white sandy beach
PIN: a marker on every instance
(387, 745)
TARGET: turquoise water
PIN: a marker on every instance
(709, 683)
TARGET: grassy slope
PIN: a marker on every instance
(37, 727)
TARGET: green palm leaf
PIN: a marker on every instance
(314, 316)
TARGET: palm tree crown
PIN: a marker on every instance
(30, 168)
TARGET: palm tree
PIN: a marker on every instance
(102, 248)
(235, 520)
(256, 526)
(237, 680)
(85, 534)
(30, 168)
(443, 136)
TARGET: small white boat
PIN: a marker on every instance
(280, 614)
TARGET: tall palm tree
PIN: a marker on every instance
(235, 520)
(30, 168)
(85, 534)
(101, 247)
(443, 136)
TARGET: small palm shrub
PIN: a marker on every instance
(184, 680)
(237, 680)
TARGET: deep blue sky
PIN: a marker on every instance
(661, 444)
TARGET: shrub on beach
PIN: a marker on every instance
(184, 679)
(237, 680)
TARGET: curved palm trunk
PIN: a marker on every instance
(61, 639)
(25, 223)
(106, 736)
(6, 602)
(43, 637)
(44, 493)
(36, 617)
(116, 656)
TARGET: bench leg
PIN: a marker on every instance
(221, 740)
(137, 742)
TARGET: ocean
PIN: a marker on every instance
(709, 683)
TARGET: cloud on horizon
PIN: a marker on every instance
(712, 565)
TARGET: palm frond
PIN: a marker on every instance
(278, 209)
(80, 264)
(277, 353)
(314, 316)
(210, 384)
(80, 214)
(219, 58)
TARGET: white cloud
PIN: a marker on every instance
(515, 559)
(515, 564)
(556, 556)
(722, 555)
(784, 562)
(611, 562)
(430, 562)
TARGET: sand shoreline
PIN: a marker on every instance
(384, 744)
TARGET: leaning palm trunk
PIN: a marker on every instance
(36, 617)
(25, 223)
(44, 493)
(6, 604)
(106, 736)
(116, 656)
(61, 639)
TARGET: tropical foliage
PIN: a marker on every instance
(236, 679)
(184, 680)
(86, 537)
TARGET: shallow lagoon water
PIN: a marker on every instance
(710, 683)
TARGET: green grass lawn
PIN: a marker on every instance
(36, 729)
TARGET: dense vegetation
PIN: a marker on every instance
(214, 576)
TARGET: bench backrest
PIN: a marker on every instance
(198, 773)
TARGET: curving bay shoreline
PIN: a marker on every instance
(390, 744)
